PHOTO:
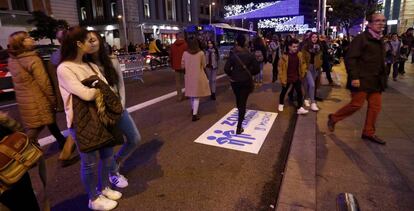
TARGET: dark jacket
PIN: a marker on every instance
(365, 61)
(234, 69)
(95, 121)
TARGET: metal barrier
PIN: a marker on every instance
(132, 66)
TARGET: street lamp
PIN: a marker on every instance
(209, 7)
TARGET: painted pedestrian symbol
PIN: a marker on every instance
(231, 137)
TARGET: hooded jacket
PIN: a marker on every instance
(34, 92)
(176, 53)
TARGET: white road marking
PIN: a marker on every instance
(50, 139)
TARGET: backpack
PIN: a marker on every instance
(259, 55)
(17, 155)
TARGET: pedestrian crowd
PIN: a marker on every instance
(84, 79)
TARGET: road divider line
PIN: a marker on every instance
(50, 139)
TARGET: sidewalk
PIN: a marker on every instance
(380, 177)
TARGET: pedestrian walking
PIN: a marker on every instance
(240, 67)
(176, 54)
(312, 54)
(392, 48)
(275, 49)
(196, 82)
(72, 71)
(212, 58)
(111, 70)
(292, 67)
(260, 53)
(34, 92)
(365, 64)
(326, 59)
(407, 40)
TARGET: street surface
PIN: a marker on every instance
(168, 171)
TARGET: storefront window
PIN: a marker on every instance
(147, 8)
(170, 9)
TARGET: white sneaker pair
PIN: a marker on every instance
(106, 200)
(302, 110)
(313, 106)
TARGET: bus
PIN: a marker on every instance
(222, 34)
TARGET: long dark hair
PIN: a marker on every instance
(109, 70)
(193, 45)
(214, 47)
(69, 49)
(308, 43)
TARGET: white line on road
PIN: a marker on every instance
(50, 139)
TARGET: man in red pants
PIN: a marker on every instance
(365, 64)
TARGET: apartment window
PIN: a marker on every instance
(201, 10)
(170, 10)
(113, 10)
(147, 9)
(20, 5)
(83, 13)
(207, 11)
(189, 10)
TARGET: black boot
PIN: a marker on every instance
(239, 130)
(195, 118)
(213, 96)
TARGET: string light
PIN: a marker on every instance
(238, 9)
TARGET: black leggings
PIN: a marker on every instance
(297, 85)
(241, 91)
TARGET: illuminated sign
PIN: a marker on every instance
(392, 22)
(262, 10)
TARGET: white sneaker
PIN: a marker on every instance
(102, 203)
(118, 180)
(301, 110)
(111, 194)
(280, 108)
(314, 107)
(307, 103)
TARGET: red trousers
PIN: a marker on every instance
(357, 101)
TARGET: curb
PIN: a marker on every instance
(298, 189)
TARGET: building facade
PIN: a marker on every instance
(217, 11)
(136, 21)
(14, 15)
(406, 18)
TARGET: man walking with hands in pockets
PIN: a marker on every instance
(365, 64)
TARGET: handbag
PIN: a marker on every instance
(247, 70)
(17, 155)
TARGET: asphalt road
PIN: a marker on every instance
(168, 171)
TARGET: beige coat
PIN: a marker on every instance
(34, 92)
(196, 82)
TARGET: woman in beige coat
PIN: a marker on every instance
(196, 82)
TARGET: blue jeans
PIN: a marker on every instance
(127, 125)
(91, 182)
(311, 76)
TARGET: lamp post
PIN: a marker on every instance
(209, 7)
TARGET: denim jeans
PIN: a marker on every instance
(127, 125)
(212, 77)
(311, 76)
(92, 182)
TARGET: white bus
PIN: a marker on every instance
(222, 34)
